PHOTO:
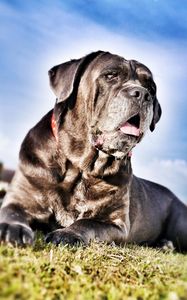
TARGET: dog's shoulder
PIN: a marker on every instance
(38, 140)
(42, 130)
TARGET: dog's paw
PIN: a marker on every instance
(16, 234)
(166, 245)
(64, 237)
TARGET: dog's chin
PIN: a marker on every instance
(115, 143)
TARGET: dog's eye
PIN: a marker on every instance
(111, 76)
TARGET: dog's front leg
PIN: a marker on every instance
(85, 230)
(14, 227)
(22, 204)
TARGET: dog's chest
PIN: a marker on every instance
(89, 199)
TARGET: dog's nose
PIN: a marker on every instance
(139, 93)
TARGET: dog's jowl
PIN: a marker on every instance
(75, 179)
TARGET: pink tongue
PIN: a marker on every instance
(130, 129)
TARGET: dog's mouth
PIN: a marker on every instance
(127, 132)
(131, 126)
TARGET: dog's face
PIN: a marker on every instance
(120, 98)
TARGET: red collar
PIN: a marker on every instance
(54, 127)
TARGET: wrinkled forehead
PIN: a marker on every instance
(107, 61)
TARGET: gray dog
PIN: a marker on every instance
(74, 178)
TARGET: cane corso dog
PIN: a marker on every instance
(75, 179)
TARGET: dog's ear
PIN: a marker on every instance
(64, 78)
(157, 111)
(61, 78)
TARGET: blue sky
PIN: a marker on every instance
(35, 35)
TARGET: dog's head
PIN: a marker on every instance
(119, 99)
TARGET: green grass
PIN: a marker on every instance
(96, 272)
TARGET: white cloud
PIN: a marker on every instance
(4, 142)
(8, 151)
